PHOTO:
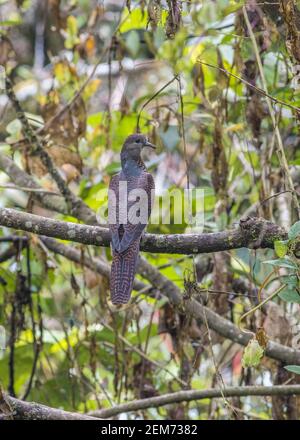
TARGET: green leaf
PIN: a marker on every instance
(253, 354)
(136, 19)
(72, 32)
(294, 231)
(291, 281)
(282, 262)
(293, 368)
(290, 295)
(280, 248)
(133, 43)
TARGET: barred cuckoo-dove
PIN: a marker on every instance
(130, 200)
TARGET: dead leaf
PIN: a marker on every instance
(70, 172)
(7, 53)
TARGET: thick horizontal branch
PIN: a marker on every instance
(251, 233)
(189, 395)
(19, 410)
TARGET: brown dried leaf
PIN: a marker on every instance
(7, 53)
(70, 172)
(174, 18)
(154, 12)
(261, 337)
(75, 286)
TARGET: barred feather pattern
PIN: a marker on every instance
(122, 273)
(126, 238)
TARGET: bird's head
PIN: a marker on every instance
(134, 144)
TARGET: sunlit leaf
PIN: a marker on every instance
(280, 248)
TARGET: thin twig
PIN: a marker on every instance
(280, 150)
(257, 89)
(30, 190)
(145, 356)
(151, 99)
(191, 395)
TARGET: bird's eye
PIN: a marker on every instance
(138, 141)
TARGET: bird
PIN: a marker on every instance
(130, 201)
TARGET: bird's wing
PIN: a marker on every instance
(133, 231)
(151, 193)
(113, 211)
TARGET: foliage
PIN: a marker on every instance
(67, 347)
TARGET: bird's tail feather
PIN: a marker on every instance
(122, 273)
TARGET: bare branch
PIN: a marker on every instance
(190, 395)
(252, 233)
(35, 411)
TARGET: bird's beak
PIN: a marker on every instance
(148, 144)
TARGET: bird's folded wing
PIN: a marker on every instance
(138, 211)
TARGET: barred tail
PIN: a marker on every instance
(122, 273)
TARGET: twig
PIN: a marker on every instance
(144, 355)
(151, 99)
(276, 195)
(191, 395)
(280, 149)
(30, 190)
(257, 307)
(257, 89)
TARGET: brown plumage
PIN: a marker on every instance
(125, 231)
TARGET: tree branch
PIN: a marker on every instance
(190, 395)
(252, 233)
(34, 411)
